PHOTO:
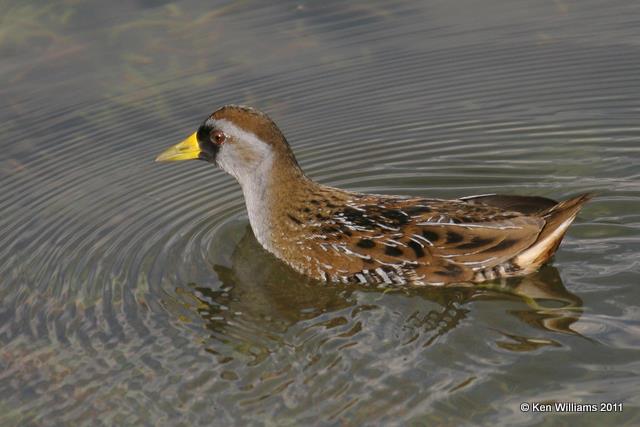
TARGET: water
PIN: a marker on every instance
(134, 293)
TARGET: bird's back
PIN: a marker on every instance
(353, 237)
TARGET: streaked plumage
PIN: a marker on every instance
(337, 235)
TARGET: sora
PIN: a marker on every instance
(342, 236)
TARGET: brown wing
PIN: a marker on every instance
(523, 204)
(425, 240)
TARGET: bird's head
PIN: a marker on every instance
(241, 140)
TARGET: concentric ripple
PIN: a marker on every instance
(134, 293)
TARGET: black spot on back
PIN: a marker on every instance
(392, 250)
(431, 236)
(394, 216)
(366, 243)
(453, 237)
(356, 217)
(416, 248)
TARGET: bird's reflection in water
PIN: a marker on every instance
(261, 299)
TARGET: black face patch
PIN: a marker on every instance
(208, 150)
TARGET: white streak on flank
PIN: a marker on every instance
(528, 258)
(249, 160)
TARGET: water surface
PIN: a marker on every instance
(134, 293)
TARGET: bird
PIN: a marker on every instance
(336, 235)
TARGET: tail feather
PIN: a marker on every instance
(557, 220)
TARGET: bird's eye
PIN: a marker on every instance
(217, 137)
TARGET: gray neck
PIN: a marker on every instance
(256, 189)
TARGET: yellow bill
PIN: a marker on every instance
(186, 150)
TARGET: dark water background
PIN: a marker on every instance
(134, 293)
